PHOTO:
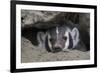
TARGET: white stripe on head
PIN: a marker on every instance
(67, 41)
(57, 32)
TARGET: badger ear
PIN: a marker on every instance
(75, 33)
(41, 39)
(75, 36)
(41, 36)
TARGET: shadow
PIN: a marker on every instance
(30, 34)
(83, 47)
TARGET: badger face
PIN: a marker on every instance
(61, 38)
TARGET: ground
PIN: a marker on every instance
(30, 53)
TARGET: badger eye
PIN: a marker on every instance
(50, 39)
(65, 38)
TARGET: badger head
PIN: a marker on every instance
(61, 38)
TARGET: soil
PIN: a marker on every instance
(31, 53)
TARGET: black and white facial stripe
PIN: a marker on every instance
(73, 38)
(62, 38)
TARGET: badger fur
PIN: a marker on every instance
(62, 38)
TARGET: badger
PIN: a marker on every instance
(62, 38)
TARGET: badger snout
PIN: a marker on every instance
(57, 47)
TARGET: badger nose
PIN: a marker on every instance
(57, 46)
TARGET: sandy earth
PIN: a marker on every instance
(30, 53)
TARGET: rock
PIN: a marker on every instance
(47, 19)
(31, 17)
